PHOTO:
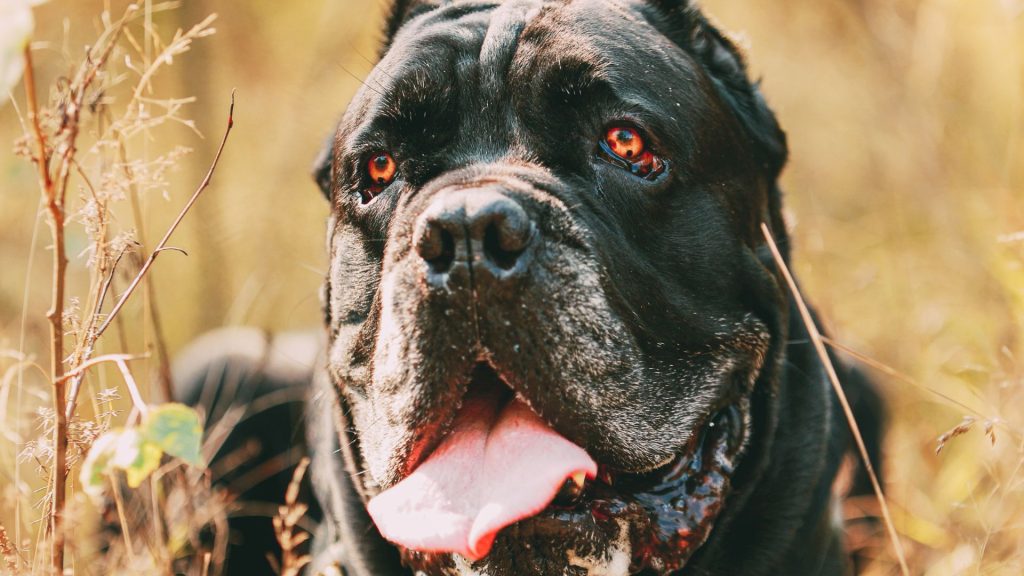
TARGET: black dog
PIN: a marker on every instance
(557, 342)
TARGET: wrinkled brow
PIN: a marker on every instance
(416, 97)
(565, 84)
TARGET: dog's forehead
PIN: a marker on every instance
(489, 42)
(469, 63)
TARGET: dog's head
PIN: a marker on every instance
(552, 319)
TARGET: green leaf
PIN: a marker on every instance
(147, 459)
(137, 457)
(97, 463)
(119, 449)
(170, 428)
(176, 430)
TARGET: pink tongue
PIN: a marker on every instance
(494, 468)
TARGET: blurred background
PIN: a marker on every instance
(904, 191)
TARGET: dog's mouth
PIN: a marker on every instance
(502, 473)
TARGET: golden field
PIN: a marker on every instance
(904, 192)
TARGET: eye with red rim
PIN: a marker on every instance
(625, 147)
(380, 172)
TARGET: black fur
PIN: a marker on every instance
(661, 294)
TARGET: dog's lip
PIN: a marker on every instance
(671, 508)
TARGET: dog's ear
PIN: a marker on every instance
(401, 11)
(323, 167)
(723, 61)
(725, 65)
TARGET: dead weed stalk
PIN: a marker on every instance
(80, 183)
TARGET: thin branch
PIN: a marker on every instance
(893, 373)
(42, 158)
(80, 369)
(181, 215)
(819, 346)
(54, 191)
(55, 315)
(174, 249)
(86, 74)
(178, 43)
(119, 504)
(164, 372)
(133, 388)
(90, 340)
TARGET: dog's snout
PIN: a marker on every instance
(484, 228)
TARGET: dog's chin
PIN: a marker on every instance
(619, 523)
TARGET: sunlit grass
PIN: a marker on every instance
(905, 193)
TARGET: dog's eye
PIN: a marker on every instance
(624, 147)
(624, 142)
(380, 171)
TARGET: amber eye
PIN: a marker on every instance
(625, 142)
(624, 147)
(380, 170)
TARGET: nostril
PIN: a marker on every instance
(441, 259)
(503, 246)
(434, 243)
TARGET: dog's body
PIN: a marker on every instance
(547, 213)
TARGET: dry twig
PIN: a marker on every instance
(55, 315)
(10, 555)
(288, 517)
(53, 181)
(51, 141)
(960, 429)
(162, 245)
(819, 346)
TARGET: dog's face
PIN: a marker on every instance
(556, 205)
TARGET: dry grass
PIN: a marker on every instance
(905, 193)
(81, 141)
(285, 524)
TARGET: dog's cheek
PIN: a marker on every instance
(354, 277)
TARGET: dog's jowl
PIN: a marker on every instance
(557, 343)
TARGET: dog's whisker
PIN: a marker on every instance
(358, 79)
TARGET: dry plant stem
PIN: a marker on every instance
(54, 191)
(158, 520)
(55, 209)
(162, 245)
(81, 368)
(133, 388)
(163, 357)
(891, 372)
(285, 522)
(119, 503)
(819, 346)
(90, 343)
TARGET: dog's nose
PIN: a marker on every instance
(482, 227)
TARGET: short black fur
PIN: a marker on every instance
(664, 287)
